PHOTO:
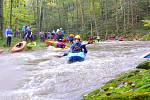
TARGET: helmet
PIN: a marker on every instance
(71, 35)
(57, 31)
(77, 37)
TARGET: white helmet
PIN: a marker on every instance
(57, 30)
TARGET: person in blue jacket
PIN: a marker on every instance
(9, 35)
(77, 46)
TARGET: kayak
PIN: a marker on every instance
(51, 42)
(19, 46)
(147, 56)
(1, 50)
(121, 39)
(60, 45)
(60, 49)
(32, 44)
(73, 57)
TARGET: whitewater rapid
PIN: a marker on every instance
(40, 75)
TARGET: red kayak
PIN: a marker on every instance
(61, 45)
(121, 39)
(19, 46)
(1, 50)
(50, 42)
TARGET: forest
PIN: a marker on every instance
(88, 17)
(65, 49)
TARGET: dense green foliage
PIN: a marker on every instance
(93, 17)
(21, 15)
(144, 65)
(134, 85)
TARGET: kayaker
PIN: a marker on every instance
(60, 44)
(71, 38)
(91, 40)
(77, 46)
(60, 35)
(19, 45)
(98, 39)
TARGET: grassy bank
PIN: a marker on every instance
(133, 85)
(39, 45)
(146, 37)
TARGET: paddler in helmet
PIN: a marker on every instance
(77, 46)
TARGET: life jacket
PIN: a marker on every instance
(77, 47)
(70, 39)
(61, 45)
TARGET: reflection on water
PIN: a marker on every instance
(50, 78)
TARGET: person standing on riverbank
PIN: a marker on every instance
(9, 35)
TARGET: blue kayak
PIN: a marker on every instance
(147, 56)
(73, 57)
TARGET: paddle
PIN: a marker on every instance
(59, 56)
(65, 54)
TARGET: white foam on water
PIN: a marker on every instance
(52, 78)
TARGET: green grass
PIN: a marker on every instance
(133, 85)
(144, 65)
(3, 43)
(146, 37)
(39, 45)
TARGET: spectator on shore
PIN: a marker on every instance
(9, 34)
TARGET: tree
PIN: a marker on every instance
(1, 18)
(11, 7)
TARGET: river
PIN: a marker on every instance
(40, 75)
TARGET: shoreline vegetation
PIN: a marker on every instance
(41, 45)
(131, 85)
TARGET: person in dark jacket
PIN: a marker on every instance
(71, 38)
(77, 46)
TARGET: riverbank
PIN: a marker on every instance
(39, 45)
(132, 85)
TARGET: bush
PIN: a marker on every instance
(125, 96)
(144, 65)
(146, 37)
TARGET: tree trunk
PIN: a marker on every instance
(41, 16)
(10, 23)
(128, 15)
(91, 27)
(59, 13)
(124, 18)
(81, 13)
(1, 18)
(132, 16)
(94, 14)
(77, 16)
(106, 20)
(37, 14)
(66, 16)
(117, 27)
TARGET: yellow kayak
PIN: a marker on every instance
(60, 49)
(31, 45)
